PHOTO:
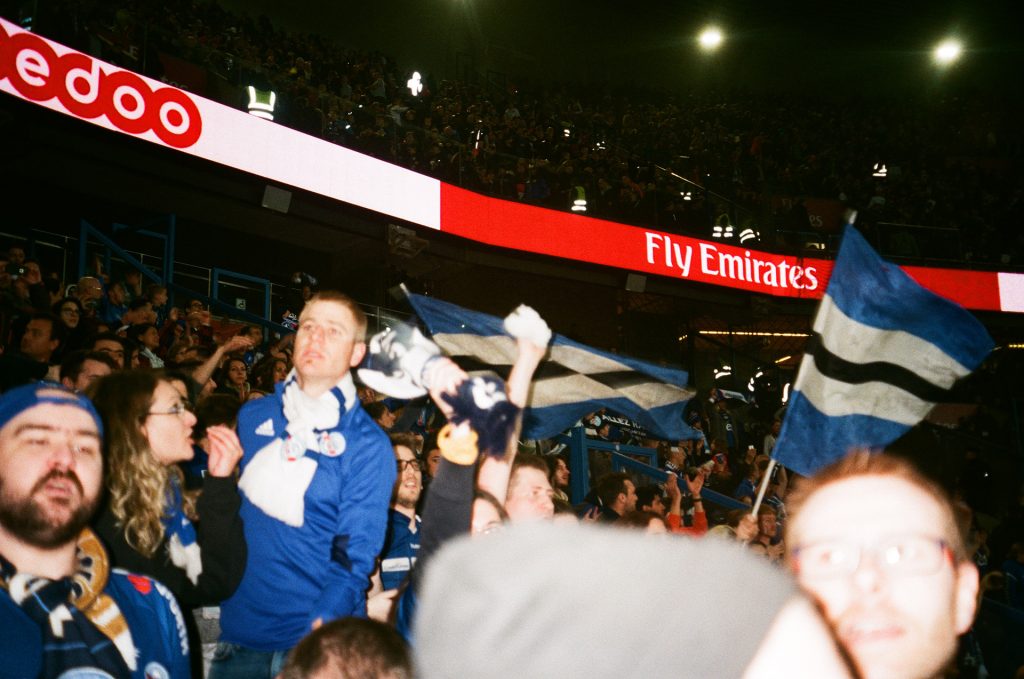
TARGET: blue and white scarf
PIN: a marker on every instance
(277, 477)
(181, 535)
(82, 628)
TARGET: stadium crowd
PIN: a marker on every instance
(675, 161)
(185, 401)
(158, 463)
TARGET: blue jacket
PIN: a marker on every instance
(322, 569)
(401, 547)
(156, 624)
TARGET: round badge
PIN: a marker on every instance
(293, 450)
(155, 670)
(333, 444)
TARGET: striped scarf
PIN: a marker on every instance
(181, 535)
(81, 626)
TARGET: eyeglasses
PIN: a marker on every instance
(899, 556)
(70, 310)
(177, 409)
(409, 464)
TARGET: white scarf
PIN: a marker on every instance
(277, 477)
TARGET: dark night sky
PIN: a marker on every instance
(866, 43)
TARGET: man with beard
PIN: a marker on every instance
(402, 541)
(62, 610)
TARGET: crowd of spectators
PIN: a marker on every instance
(537, 147)
(141, 359)
(636, 156)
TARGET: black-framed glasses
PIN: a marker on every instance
(898, 555)
(414, 465)
(178, 408)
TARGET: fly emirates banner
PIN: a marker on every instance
(48, 74)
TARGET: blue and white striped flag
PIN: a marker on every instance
(884, 351)
(573, 381)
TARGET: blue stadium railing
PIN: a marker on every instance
(623, 459)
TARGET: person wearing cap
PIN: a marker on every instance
(63, 610)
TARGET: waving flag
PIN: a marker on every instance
(574, 380)
(884, 351)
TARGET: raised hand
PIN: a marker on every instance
(225, 451)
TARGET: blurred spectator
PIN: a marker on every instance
(112, 345)
(529, 491)
(617, 494)
(112, 305)
(350, 648)
(80, 369)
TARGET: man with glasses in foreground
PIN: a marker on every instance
(878, 545)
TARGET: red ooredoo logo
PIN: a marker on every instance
(36, 72)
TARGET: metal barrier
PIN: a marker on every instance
(212, 281)
(579, 466)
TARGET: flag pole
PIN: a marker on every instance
(764, 486)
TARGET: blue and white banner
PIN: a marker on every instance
(573, 381)
(883, 353)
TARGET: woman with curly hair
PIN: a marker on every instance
(147, 525)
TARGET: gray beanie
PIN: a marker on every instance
(548, 600)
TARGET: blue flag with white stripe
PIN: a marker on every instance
(883, 353)
(573, 381)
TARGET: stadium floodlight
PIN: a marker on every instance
(710, 38)
(879, 170)
(261, 104)
(748, 234)
(415, 84)
(947, 51)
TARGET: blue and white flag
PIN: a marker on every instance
(573, 381)
(883, 352)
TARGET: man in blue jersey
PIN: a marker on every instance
(316, 481)
(402, 544)
(63, 611)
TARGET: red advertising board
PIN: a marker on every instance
(51, 75)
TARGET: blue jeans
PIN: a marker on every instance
(231, 661)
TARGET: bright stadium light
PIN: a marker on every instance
(415, 84)
(710, 38)
(947, 51)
